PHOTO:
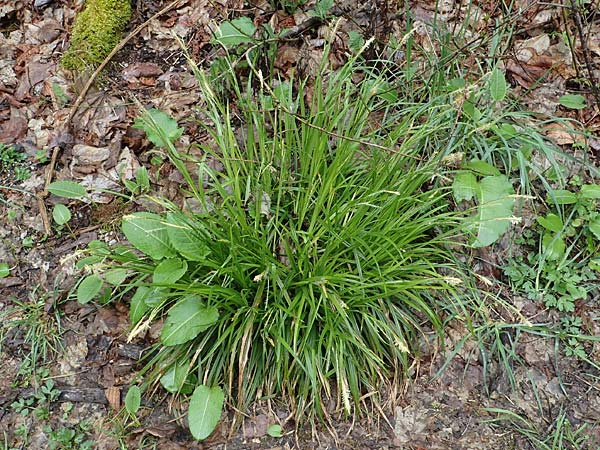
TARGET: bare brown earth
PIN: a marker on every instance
(96, 365)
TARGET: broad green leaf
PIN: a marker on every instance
(553, 246)
(321, 9)
(355, 41)
(148, 233)
(494, 212)
(174, 380)
(551, 222)
(594, 263)
(143, 179)
(205, 410)
(155, 296)
(471, 111)
(455, 84)
(137, 304)
(481, 167)
(590, 191)
(275, 430)
(4, 270)
(61, 214)
(507, 131)
(562, 197)
(99, 247)
(115, 276)
(67, 189)
(573, 101)
(160, 128)
(497, 85)
(235, 32)
(186, 320)
(133, 400)
(185, 239)
(465, 186)
(169, 271)
(88, 261)
(88, 288)
(594, 226)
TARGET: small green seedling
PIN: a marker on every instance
(275, 431)
(13, 161)
(321, 9)
(564, 269)
(61, 214)
(141, 183)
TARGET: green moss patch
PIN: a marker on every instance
(96, 32)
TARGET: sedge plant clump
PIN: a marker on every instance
(97, 30)
(320, 252)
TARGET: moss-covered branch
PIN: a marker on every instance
(97, 30)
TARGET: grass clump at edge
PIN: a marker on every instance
(321, 254)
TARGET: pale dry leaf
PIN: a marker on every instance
(113, 395)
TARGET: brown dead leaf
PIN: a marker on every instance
(113, 395)
(15, 128)
(287, 57)
(411, 424)
(537, 45)
(134, 71)
(27, 51)
(98, 115)
(167, 444)
(43, 32)
(162, 432)
(528, 73)
(110, 322)
(256, 426)
(10, 282)
(563, 135)
(35, 72)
